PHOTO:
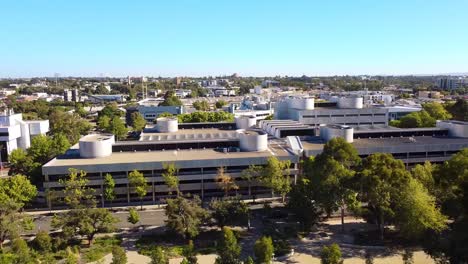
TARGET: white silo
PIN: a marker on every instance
(167, 124)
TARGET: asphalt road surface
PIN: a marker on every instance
(147, 218)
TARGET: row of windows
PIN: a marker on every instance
(405, 155)
(343, 115)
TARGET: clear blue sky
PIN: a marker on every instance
(250, 37)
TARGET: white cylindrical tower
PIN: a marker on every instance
(252, 140)
(167, 124)
(350, 102)
(96, 146)
(246, 122)
(328, 132)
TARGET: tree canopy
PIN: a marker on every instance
(185, 216)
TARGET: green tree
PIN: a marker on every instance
(14, 193)
(133, 216)
(382, 179)
(275, 175)
(411, 120)
(228, 249)
(229, 211)
(137, 182)
(170, 177)
(263, 250)
(331, 254)
(171, 100)
(111, 110)
(185, 216)
(225, 181)
(424, 174)
(41, 148)
(332, 176)
(437, 111)
(70, 125)
(85, 222)
(109, 188)
(249, 260)
(21, 162)
(459, 110)
(302, 203)
(250, 175)
(103, 123)
(76, 192)
(416, 211)
(71, 256)
(137, 121)
(21, 251)
(220, 103)
(201, 105)
(118, 255)
(449, 178)
(189, 253)
(158, 256)
(42, 242)
(59, 145)
(118, 128)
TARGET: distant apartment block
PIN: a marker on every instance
(451, 83)
(17, 133)
(71, 95)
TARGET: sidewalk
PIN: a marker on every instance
(152, 207)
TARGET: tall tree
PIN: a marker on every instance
(109, 188)
(76, 192)
(137, 121)
(103, 123)
(133, 216)
(459, 110)
(382, 178)
(83, 218)
(170, 177)
(228, 249)
(263, 249)
(225, 181)
(229, 211)
(185, 216)
(416, 211)
(60, 144)
(137, 182)
(118, 255)
(250, 175)
(14, 193)
(21, 163)
(436, 111)
(118, 128)
(70, 125)
(332, 173)
(302, 203)
(331, 254)
(275, 175)
(189, 253)
(158, 256)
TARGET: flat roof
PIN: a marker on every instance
(395, 143)
(190, 135)
(192, 158)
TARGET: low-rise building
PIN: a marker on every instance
(17, 133)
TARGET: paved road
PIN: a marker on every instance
(147, 218)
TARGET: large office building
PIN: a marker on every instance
(17, 133)
(150, 109)
(197, 152)
(346, 111)
(199, 149)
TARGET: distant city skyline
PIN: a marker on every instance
(215, 38)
